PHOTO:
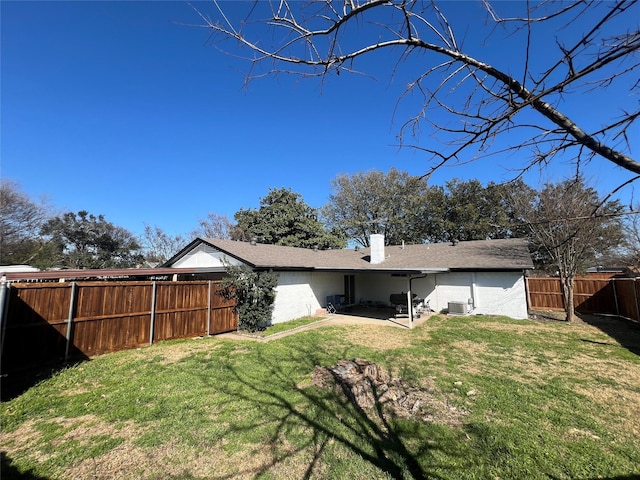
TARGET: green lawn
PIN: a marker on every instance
(506, 400)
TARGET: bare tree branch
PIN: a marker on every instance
(477, 101)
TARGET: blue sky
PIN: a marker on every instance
(120, 109)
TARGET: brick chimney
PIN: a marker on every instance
(377, 248)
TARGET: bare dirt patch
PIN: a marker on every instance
(379, 337)
(524, 329)
(471, 348)
(624, 404)
(172, 460)
(174, 353)
(28, 437)
(129, 460)
(88, 426)
(22, 438)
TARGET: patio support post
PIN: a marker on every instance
(410, 304)
(410, 297)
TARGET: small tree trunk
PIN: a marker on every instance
(567, 295)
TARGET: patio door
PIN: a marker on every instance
(350, 289)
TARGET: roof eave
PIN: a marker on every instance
(415, 271)
(492, 269)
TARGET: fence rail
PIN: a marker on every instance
(614, 296)
(45, 323)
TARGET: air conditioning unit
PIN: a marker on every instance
(458, 308)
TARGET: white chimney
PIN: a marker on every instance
(377, 248)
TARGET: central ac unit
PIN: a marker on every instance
(458, 308)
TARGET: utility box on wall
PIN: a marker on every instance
(458, 308)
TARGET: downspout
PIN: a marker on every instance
(474, 293)
(409, 305)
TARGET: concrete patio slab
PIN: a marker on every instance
(335, 319)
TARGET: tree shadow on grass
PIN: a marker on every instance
(625, 332)
(309, 422)
(15, 383)
(9, 472)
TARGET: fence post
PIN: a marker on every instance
(4, 308)
(635, 296)
(72, 305)
(209, 311)
(615, 296)
(153, 312)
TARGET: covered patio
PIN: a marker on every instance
(382, 315)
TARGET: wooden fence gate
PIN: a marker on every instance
(45, 322)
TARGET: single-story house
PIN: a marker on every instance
(479, 277)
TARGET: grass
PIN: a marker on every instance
(507, 399)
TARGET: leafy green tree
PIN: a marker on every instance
(570, 228)
(285, 219)
(393, 203)
(254, 293)
(405, 208)
(20, 221)
(83, 240)
(466, 210)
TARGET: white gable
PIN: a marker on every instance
(205, 256)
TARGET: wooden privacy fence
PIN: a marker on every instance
(45, 323)
(614, 296)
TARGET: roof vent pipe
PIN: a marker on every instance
(254, 240)
(377, 248)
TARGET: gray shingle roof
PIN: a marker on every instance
(510, 254)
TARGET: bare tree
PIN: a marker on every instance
(570, 228)
(214, 226)
(463, 100)
(632, 234)
(159, 246)
(20, 221)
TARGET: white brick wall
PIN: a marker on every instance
(501, 294)
(302, 293)
(299, 294)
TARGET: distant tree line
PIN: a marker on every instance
(403, 207)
